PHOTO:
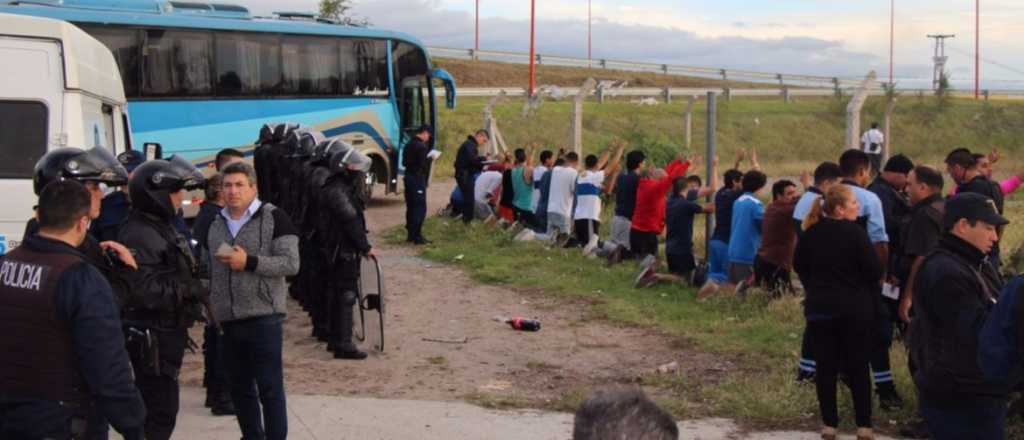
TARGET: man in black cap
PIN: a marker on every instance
(416, 160)
(962, 166)
(954, 290)
(889, 186)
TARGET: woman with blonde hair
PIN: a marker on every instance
(840, 272)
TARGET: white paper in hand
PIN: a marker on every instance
(890, 291)
(225, 250)
(434, 154)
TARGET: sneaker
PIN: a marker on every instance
(562, 240)
(804, 376)
(888, 398)
(643, 279)
(525, 235)
(649, 260)
(516, 228)
(591, 246)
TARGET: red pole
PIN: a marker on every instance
(533, 58)
(977, 48)
(477, 44)
(892, 38)
(590, 20)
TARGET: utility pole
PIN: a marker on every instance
(940, 58)
(533, 57)
(477, 44)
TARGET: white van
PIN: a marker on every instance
(59, 87)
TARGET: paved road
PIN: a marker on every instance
(331, 417)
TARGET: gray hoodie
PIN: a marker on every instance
(272, 245)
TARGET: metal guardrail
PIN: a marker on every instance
(683, 92)
(801, 85)
(668, 69)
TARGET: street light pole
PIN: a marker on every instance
(590, 21)
(977, 48)
(892, 38)
(533, 58)
(477, 44)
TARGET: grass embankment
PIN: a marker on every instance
(789, 137)
(497, 74)
(759, 337)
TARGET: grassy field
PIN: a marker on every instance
(759, 336)
(789, 137)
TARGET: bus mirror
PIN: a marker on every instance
(152, 150)
(449, 86)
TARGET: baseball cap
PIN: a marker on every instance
(131, 159)
(972, 207)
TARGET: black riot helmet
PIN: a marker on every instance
(303, 142)
(345, 158)
(97, 165)
(153, 183)
(275, 133)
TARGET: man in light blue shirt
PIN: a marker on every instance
(747, 213)
(825, 175)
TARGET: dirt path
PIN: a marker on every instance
(428, 300)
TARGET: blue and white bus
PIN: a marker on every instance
(200, 76)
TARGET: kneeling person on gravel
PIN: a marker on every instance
(251, 247)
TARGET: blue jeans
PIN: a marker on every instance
(975, 422)
(718, 261)
(252, 357)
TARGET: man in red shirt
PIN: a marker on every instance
(649, 216)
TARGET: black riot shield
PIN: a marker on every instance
(369, 319)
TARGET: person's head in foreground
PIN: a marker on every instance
(838, 203)
(64, 211)
(590, 162)
(855, 166)
(733, 179)
(958, 163)
(826, 175)
(923, 182)
(635, 161)
(973, 218)
(784, 191)
(753, 181)
(896, 170)
(622, 414)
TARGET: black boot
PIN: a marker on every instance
(888, 398)
(222, 405)
(342, 334)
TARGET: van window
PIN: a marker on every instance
(22, 137)
(98, 123)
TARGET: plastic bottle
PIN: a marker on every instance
(521, 324)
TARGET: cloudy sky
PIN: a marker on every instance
(826, 37)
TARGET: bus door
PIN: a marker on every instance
(412, 108)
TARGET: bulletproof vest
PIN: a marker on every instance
(36, 345)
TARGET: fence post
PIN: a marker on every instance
(690, 101)
(779, 77)
(709, 224)
(538, 58)
(667, 93)
(725, 75)
(600, 95)
(604, 63)
(473, 55)
(785, 95)
(664, 68)
(728, 94)
(985, 93)
(835, 84)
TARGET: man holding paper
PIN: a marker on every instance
(416, 159)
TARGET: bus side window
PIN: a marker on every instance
(247, 64)
(177, 63)
(125, 44)
(22, 137)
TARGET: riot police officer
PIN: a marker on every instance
(312, 246)
(165, 295)
(60, 332)
(343, 201)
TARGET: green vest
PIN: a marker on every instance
(523, 198)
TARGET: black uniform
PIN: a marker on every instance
(986, 187)
(165, 296)
(60, 333)
(417, 171)
(346, 243)
(468, 163)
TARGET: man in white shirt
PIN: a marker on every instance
(485, 192)
(589, 186)
(560, 199)
(872, 143)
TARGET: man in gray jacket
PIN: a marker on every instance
(251, 248)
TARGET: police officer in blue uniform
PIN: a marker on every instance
(417, 171)
(60, 331)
